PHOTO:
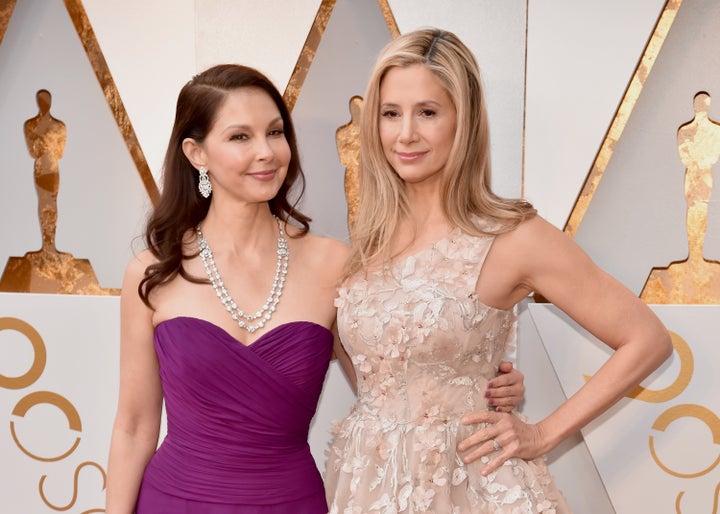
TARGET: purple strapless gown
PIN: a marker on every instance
(237, 421)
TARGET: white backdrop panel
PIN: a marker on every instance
(581, 56)
(682, 423)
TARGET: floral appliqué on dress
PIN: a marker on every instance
(424, 347)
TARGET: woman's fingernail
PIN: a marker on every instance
(487, 394)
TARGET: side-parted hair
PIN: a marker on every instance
(180, 206)
(466, 189)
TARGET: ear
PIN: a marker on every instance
(194, 152)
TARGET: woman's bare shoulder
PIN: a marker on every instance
(137, 265)
(537, 252)
(327, 250)
(532, 234)
(532, 225)
(529, 245)
(322, 257)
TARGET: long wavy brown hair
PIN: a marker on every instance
(180, 206)
(466, 190)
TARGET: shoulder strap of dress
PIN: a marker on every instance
(481, 244)
(478, 248)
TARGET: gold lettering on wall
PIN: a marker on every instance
(678, 412)
(695, 280)
(678, 510)
(39, 354)
(90, 463)
(686, 411)
(48, 270)
(51, 398)
(25, 404)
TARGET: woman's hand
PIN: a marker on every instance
(505, 391)
(502, 436)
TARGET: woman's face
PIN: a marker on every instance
(246, 152)
(417, 122)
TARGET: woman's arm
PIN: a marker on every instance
(343, 358)
(333, 264)
(538, 257)
(137, 422)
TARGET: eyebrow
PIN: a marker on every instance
(418, 104)
(248, 127)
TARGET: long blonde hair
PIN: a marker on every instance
(466, 189)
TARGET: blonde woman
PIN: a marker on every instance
(438, 261)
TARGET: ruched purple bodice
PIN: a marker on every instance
(238, 416)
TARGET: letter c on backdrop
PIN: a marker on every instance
(62, 403)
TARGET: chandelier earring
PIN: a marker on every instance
(204, 185)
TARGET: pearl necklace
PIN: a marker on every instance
(244, 320)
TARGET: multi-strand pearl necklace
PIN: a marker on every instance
(245, 320)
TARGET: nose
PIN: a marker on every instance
(407, 130)
(263, 149)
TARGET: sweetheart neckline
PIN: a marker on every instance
(238, 341)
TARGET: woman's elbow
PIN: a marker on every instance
(659, 344)
(666, 345)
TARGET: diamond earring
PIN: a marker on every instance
(204, 186)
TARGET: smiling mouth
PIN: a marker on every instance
(409, 157)
(263, 175)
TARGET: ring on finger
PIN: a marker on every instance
(496, 446)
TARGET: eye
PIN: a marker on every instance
(427, 113)
(239, 137)
(276, 132)
(389, 113)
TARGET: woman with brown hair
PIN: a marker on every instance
(240, 386)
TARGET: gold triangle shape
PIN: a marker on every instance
(6, 10)
(317, 29)
(632, 93)
(102, 72)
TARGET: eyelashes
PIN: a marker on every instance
(423, 113)
(242, 136)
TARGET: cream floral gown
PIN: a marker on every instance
(423, 348)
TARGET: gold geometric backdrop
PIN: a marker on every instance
(694, 279)
(49, 269)
(645, 212)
